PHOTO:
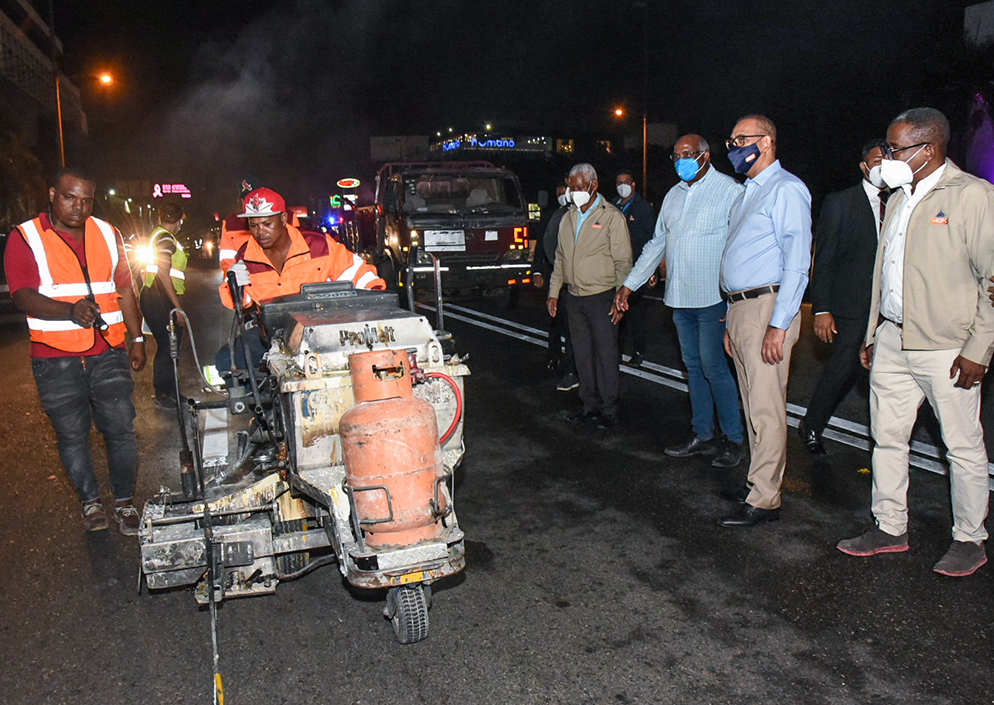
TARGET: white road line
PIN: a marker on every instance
(923, 455)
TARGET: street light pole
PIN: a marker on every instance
(645, 98)
(58, 108)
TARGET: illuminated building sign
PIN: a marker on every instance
(335, 201)
(495, 144)
(348, 183)
(160, 190)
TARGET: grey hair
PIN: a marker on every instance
(927, 125)
(702, 145)
(586, 170)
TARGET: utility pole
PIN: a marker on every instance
(53, 50)
(644, 5)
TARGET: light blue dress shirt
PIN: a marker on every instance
(690, 232)
(770, 240)
(581, 216)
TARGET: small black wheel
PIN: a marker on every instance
(407, 608)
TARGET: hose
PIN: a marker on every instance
(458, 417)
(196, 358)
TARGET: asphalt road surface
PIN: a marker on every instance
(596, 572)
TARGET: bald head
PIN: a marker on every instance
(757, 125)
(691, 143)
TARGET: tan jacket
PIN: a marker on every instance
(948, 256)
(596, 261)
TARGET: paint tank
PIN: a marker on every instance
(392, 458)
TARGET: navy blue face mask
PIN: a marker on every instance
(743, 158)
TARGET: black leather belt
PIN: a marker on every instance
(753, 293)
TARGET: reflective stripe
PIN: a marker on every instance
(351, 271)
(107, 230)
(55, 290)
(63, 325)
(364, 280)
(33, 237)
(227, 254)
(50, 326)
(152, 268)
(175, 273)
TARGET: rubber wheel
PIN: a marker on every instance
(410, 613)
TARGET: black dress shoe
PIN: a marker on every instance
(636, 360)
(737, 495)
(812, 440)
(748, 515)
(695, 446)
(582, 416)
(730, 455)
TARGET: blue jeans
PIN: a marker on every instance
(76, 391)
(701, 333)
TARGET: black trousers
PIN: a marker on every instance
(595, 351)
(155, 305)
(558, 332)
(839, 373)
(634, 323)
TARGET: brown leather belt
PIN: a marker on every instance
(753, 293)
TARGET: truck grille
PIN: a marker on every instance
(460, 259)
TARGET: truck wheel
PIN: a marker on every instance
(387, 271)
(408, 610)
(507, 298)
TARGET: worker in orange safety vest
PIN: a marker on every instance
(278, 259)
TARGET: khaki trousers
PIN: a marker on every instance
(899, 382)
(764, 395)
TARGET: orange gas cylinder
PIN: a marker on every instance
(390, 440)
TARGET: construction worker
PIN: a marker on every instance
(163, 285)
(278, 259)
(68, 272)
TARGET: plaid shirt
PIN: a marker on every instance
(691, 232)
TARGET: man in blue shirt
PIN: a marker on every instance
(640, 218)
(764, 271)
(691, 233)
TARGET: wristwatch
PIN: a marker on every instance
(138, 339)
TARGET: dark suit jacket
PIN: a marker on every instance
(641, 222)
(845, 250)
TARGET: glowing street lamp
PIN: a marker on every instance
(104, 78)
(619, 112)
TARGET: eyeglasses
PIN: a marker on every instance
(888, 152)
(685, 155)
(739, 141)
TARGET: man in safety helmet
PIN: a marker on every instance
(68, 272)
(163, 285)
(278, 259)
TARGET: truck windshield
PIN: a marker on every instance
(455, 193)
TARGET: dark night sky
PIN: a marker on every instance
(213, 91)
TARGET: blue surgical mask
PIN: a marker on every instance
(687, 169)
(743, 158)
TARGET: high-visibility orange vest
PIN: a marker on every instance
(233, 237)
(313, 257)
(62, 279)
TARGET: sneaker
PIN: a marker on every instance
(94, 516)
(962, 559)
(606, 423)
(695, 446)
(730, 455)
(582, 416)
(127, 518)
(568, 382)
(874, 541)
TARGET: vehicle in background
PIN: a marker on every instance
(471, 216)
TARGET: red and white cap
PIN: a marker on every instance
(262, 203)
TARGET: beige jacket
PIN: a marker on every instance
(948, 256)
(596, 261)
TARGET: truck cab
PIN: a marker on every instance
(471, 216)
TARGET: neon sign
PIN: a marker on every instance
(160, 190)
(348, 183)
(471, 142)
